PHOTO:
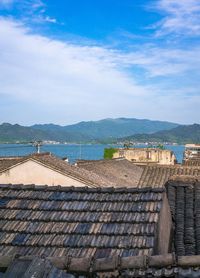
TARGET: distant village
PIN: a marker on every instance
(135, 213)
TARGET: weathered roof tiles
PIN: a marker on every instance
(78, 221)
(118, 171)
(136, 266)
(157, 176)
(184, 199)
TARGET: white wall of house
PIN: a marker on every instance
(31, 172)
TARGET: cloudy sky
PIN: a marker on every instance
(66, 61)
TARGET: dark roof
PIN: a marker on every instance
(57, 164)
(157, 176)
(32, 267)
(118, 171)
(82, 221)
(65, 267)
(184, 199)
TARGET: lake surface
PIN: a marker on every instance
(74, 151)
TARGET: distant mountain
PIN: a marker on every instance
(17, 133)
(110, 128)
(181, 134)
(61, 133)
(96, 131)
(14, 133)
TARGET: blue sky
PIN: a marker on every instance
(66, 61)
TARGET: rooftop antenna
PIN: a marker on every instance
(38, 145)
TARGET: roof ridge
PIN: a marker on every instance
(142, 262)
(73, 171)
(81, 188)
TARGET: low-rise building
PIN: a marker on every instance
(46, 169)
(143, 156)
(192, 155)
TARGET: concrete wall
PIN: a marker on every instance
(147, 155)
(31, 172)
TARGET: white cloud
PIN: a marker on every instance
(181, 17)
(35, 12)
(165, 61)
(76, 80)
(50, 19)
(36, 4)
(46, 80)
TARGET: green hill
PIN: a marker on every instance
(13, 133)
(110, 128)
(93, 131)
(17, 133)
(181, 135)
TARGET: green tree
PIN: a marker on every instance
(108, 153)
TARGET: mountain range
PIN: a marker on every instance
(181, 135)
(107, 130)
(91, 131)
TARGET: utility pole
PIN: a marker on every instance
(80, 151)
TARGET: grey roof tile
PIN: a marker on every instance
(35, 221)
(184, 200)
(158, 175)
(118, 171)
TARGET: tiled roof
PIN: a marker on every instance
(64, 167)
(65, 267)
(192, 162)
(184, 199)
(118, 171)
(63, 221)
(6, 162)
(60, 165)
(32, 268)
(182, 272)
(157, 176)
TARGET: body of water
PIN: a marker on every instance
(74, 151)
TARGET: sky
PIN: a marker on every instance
(67, 61)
